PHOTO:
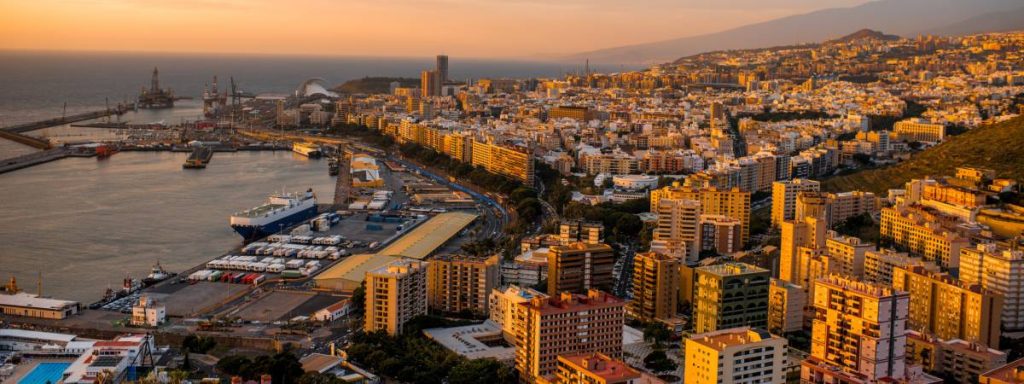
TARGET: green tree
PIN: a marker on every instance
(481, 371)
(318, 378)
(658, 361)
(359, 298)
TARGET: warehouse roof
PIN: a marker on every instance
(429, 236)
(355, 267)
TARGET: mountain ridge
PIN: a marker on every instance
(899, 17)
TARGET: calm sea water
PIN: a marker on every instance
(86, 223)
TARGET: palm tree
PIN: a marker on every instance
(177, 376)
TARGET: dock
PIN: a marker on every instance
(25, 139)
(26, 127)
(16, 163)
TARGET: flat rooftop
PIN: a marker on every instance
(429, 236)
(36, 335)
(27, 300)
(467, 341)
(354, 267)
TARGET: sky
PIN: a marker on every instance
(525, 29)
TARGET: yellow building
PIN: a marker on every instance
(733, 203)
(854, 328)
(676, 232)
(807, 233)
(566, 324)
(395, 294)
(942, 306)
(786, 303)
(505, 309)
(784, 198)
(847, 253)
(998, 268)
(961, 361)
(919, 130)
(655, 287)
(516, 163)
(457, 283)
(879, 265)
(736, 355)
(922, 234)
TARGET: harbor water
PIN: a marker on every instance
(86, 223)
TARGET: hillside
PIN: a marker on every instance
(863, 34)
(906, 18)
(997, 146)
(375, 84)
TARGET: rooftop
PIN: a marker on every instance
(429, 236)
(600, 365)
(469, 341)
(726, 338)
(28, 300)
(355, 267)
(1009, 373)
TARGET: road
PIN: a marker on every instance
(495, 215)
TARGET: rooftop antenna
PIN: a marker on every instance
(39, 285)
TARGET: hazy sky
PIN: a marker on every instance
(469, 28)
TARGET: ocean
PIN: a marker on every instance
(85, 224)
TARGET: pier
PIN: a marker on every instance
(26, 127)
(46, 156)
(25, 139)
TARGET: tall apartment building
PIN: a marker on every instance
(655, 287)
(736, 355)
(919, 130)
(516, 163)
(942, 306)
(847, 253)
(677, 227)
(719, 233)
(786, 304)
(879, 265)
(961, 361)
(442, 69)
(857, 327)
(566, 324)
(578, 267)
(810, 233)
(784, 198)
(395, 293)
(594, 368)
(458, 283)
(922, 235)
(998, 268)
(730, 295)
(504, 308)
(571, 231)
(733, 203)
(430, 84)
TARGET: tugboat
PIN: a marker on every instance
(157, 275)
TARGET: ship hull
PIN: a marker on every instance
(255, 232)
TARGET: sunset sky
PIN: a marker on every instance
(525, 29)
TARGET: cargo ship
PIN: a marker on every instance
(307, 149)
(280, 212)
